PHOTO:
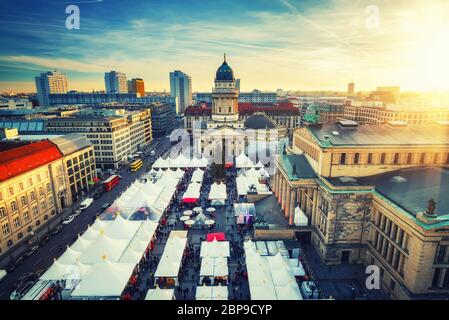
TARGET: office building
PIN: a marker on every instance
(15, 103)
(368, 193)
(237, 84)
(136, 85)
(48, 83)
(181, 90)
(115, 82)
(351, 91)
(114, 133)
(92, 99)
(163, 119)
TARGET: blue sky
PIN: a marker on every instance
(289, 44)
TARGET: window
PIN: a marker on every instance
(409, 158)
(422, 159)
(30, 182)
(396, 158)
(43, 205)
(21, 186)
(32, 196)
(16, 222)
(436, 277)
(11, 191)
(41, 192)
(50, 201)
(1, 196)
(38, 223)
(343, 158)
(382, 158)
(13, 206)
(356, 158)
(26, 216)
(48, 187)
(370, 158)
(5, 229)
(2, 212)
(23, 200)
(38, 177)
(441, 251)
(35, 211)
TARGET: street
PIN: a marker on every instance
(45, 255)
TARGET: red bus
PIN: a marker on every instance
(110, 182)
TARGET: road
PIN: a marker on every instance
(44, 257)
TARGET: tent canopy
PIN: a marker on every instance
(218, 236)
(214, 249)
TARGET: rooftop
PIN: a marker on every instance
(71, 143)
(303, 170)
(259, 122)
(336, 135)
(24, 158)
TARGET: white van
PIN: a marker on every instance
(86, 203)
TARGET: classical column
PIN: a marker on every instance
(279, 188)
(291, 213)
(276, 184)
(287, 201)
(284, 194)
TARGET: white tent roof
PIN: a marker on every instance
(207, 267)
(58, 271)
(259, 165)
(220, 293)
(105, 279)
(214, 249)
(242, 161)
(160, 294)
(203, 292)
(197, 176)
(161, 163)
(300, 218)
(104, 248)
(171, 257)
(218, 192)
(70, 256)
(193, 191)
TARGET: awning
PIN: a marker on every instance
(219, 236)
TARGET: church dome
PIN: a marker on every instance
(259, 122)
(224, 72)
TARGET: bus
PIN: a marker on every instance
(136, 165)
(110, 182)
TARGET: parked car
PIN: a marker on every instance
(77, 213)
(68, 220)
(57, 230)
(105, 206)
(44, 241)
(20, 292)
(2, 274)
(86, 203)
(15, 264)
(31, 250)
(29, 276)
(309, 290)
(152, 153)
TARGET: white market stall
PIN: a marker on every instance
(215, 249)
(170, 263)
(160, 294)
(214, 268)
(217, 194)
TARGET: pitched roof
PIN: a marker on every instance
(16, 161)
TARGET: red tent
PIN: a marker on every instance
(190, 200)
(219, 236)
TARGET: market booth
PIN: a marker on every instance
(160, 294)
(192, 194)
(214, 270)
(217, 194)
(167, 271)
(211, 293)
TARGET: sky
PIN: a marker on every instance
(270, 44)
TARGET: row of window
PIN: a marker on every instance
(24, 201)
(390, 229)
(395, 158)
(440, 278)
(20, 186)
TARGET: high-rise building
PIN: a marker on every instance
(49, 82)
(181, 89)
(136, 85)
(115, 82)
(351, 89)
(237, 84)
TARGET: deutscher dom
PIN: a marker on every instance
(225, 110)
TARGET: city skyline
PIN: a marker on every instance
(293, 45)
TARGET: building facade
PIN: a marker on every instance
(15, 103)
(48, 83)
(33, 190)
(115, 134)
(181, 90)
(88, 98)
(365, 191)
(136, 85)
(163, 119)
(255, 96)
(115, 82)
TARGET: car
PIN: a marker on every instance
(86, 203)
(20, 292)
(68, 220)
(14, 265)
(77, 213)
(44, 240)
(28, 276)
(57, 230)
(3, 274)
(31, 250)
(105, 206)
(152, 153)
